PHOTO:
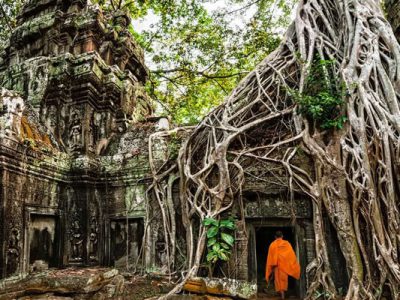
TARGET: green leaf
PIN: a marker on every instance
(228, 224)
(211, 241)
(212, 257)
(225, 246)
(210, 221)
(229, 239)
(216, 247)
(212, 232)
(223, 256)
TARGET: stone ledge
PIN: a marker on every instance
(222, 287)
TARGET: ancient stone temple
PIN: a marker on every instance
(74, 123)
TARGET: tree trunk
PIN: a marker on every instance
(355, 179)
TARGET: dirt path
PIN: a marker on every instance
(262, 296)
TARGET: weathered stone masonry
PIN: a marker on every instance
(72, 161)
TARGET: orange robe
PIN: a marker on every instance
(282, 257)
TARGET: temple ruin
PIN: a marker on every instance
(74, 123)
(73, 166)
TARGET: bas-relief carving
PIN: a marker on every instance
(76, 236)
(278, 207)
(37, 81)
(75, 131)
(91, 133)
(161, 256)
(94, 228)
(76, 241)
(93, 238)
(13, 252)
(51, 117)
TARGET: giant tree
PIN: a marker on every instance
(331, 91)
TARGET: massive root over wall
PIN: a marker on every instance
(355, 167)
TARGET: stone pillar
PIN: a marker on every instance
(12, 248)
(309, 241)
(2, 242)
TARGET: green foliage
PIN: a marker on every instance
(322, 99)
(198, 56)
(8, 12)
(220, 239)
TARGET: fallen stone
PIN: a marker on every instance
(49, 296)
(69, 282)
(221, 287)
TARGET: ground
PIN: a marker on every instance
(97, 283)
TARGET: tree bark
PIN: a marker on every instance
(355, 177)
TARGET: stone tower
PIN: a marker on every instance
(80, 70)
(74, 126)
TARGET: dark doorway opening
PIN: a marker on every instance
(264, 237)
(44, 240)
(126, 237)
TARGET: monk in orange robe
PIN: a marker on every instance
(282, 262)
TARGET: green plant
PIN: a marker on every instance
(220, 239)
(322, 99)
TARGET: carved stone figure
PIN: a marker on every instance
(51, 119)
(76, 241)
(13, 252)
(38, 80)
(75, 132)
(93, 238)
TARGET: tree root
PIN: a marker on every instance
(354, 178)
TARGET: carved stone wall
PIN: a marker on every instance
(73, 134)
(83, 76)
(29, 184)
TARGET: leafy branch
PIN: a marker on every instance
(322, 99)
(220, 240)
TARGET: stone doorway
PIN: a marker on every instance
(264, 236)
(44, 241)
(126, 236)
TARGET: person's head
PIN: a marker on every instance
(278, 234)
